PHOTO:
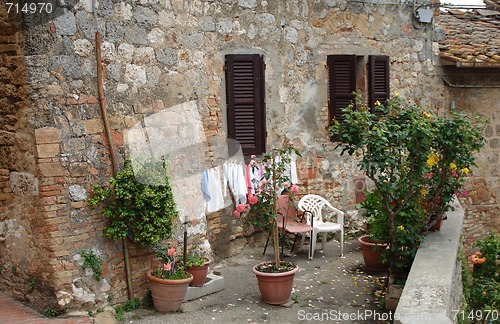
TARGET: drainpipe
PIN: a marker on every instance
(491, 65)
(455, 85)
(112, 154)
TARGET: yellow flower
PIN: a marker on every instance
(377, 103)
(401, 227)
(465, 171)
(453, 166)
(426, 114)
(424, 192)
(432, 160)
(396, 94)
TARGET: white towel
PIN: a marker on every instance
(216, 201)
(234, 175)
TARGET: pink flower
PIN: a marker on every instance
(253, 200)
(291, 142)
(167, 267)
(171, 251)
(253, 156)
(240, 208)
(236, 214)
(295, 188)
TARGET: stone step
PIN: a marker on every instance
(213, 284)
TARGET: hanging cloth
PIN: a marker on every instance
(214, 185)
(234, 175)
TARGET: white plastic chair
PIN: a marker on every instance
(314, 204)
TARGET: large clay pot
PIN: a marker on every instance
(275, 288)
(371, 254)
(167, 294)
(199, 274)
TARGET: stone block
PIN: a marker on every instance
(52, 169)
(47, 135)
(47, 150)
(92, 126)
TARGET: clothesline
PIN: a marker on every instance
(242, 180)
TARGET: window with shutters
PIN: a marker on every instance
(378, 86)
(349, 73)
(246, 117)
(342, 84)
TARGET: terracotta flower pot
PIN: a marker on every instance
(199, 274)
(371, 255)
(437, 226)
(167, 294)
(275, 288)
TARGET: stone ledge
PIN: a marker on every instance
(213, 284)
(433, 289)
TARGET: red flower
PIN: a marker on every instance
(253, 200)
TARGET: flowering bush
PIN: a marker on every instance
(261, 209)
(168, 268)
(417, 162)
(482, 288)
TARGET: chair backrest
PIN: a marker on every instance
(315, 204)
(285, 206)
(286, 210)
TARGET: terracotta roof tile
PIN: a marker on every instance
(471, 36)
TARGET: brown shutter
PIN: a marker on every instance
(245, 101)
(342, 84)
(378, 86)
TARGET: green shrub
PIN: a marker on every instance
(139, 203)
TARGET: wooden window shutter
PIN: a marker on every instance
(342, 84)
(246, 117)
(378, 86)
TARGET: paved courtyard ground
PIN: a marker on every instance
(326, 289)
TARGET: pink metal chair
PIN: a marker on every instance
(315, 204)
(289, 221)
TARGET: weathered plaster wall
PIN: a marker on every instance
(158, 55)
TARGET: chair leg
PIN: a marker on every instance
(323, 240)
(341, 243)
(313, 244)
(294, 241)
(267, 242)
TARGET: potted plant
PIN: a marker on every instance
(197, 263)
(139, 205)
(275, 278)
(168, 281)
(395, 147)
(376, 241)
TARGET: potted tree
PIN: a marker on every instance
(275, 278)
(139, 205)
(397, 148)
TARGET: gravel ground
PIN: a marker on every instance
(326, 289)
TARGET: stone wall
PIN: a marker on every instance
(481, 205)
(158, 55)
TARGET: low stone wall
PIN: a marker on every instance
(433, 291)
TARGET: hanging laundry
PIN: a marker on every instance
(212, 189)
(294, 179)
(234, 175)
